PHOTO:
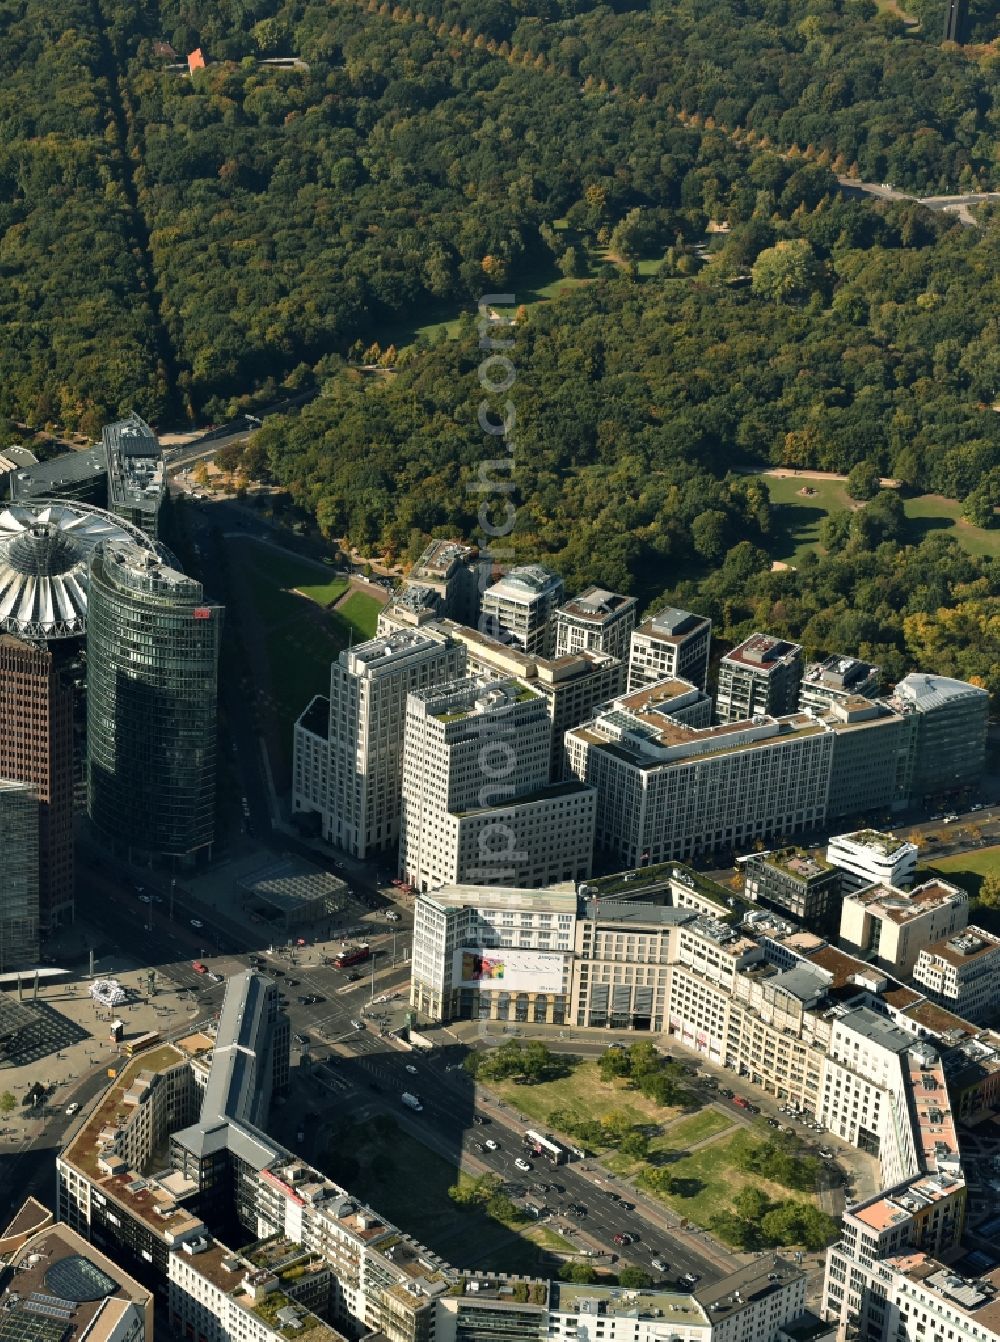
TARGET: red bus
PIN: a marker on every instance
(352, 955)
(198, 967)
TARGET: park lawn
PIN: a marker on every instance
(301, 636)
(798, 517)
(362, 612)
(714, 1179)
(966, 869)
(679, 1136)
(583, 1094)
(934, 513)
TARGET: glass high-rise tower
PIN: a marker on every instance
(152, 698)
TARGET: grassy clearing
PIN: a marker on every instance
(968, 869)
(798, 517)
(709, 1179)
(584, 1095)
(680, 1136)
(301, 637)
(361, 611)
(549, 1239)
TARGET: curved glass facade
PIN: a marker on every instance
(152, 697)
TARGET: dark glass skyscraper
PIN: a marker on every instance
(152, 695)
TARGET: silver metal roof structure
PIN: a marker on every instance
(45, 550)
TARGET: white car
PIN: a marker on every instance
(520, 1164)
(196, 922)
(72, 1109)
(410, 1068)
(358, 1025)
(491, 1145)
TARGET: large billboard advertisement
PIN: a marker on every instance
(507, 970)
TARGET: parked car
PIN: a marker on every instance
(491, 1145)
(522, 1165)
(660, 1265)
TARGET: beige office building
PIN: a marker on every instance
(890, 927)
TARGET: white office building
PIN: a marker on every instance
(477, 804)
(493, 952)
(348, 751)
(669, 790)
(962, 973)
(672, 644)
(868, 857)
(519, 609)
(595, 621)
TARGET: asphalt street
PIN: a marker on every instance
(378, 1075)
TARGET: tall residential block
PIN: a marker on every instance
(477, 804)
(574, 685)
(18, 876)
(962, 973)
(760, 675)
(595, 621)
(152, 699)
(796, 881)
(672, 644)
(519, 608)
(36, 747)
(493, 952)
(836, 679)
(348, 751)
(136, 480)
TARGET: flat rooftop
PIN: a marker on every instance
(386, 651)
(59, 1288)
(763, 652)
(903, 906)
(316, 717)
(141, 1197)
(551, 792)
(621, 911)
(672, 744)
(597, 605)
(885, 846)
(440, 559)
(230, 1272)
(799, 862)
(978, 1298)
(509, 898)
(672, 625)
(526, 582)
(964, 948)
(668, 1307)
(70, 468)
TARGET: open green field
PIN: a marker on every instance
(584, 1095)
(798, 519)
(707, 1180)
(409, 1184)
(677, 1137)
(301, 636)
(968, 870)
(361, 611)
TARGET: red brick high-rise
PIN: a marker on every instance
(36, 747)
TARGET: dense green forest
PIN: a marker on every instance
(173, 243)
(182, 245)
